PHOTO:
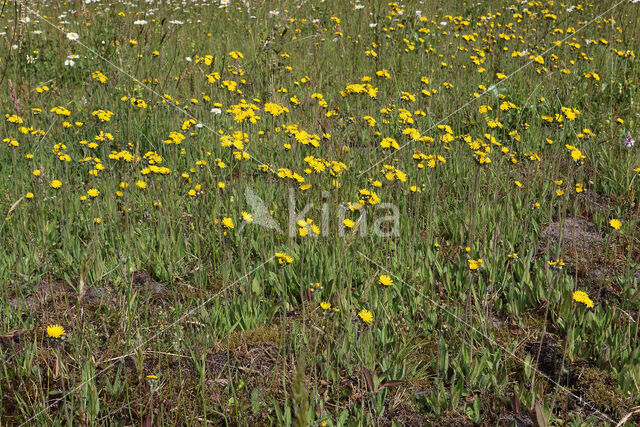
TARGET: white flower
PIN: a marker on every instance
(69, 63)
(628, 140)
(373, 25)
(72, 36)
(188, 59)
(274, 12)
(140, 22)
(216, 111)
(176, 22)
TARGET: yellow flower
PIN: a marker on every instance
(55, 331)
(366, 316)
(474, 264)
(93, 192)
(386, 280)
(56, 184)
(325, 305)
(615, 223)
(581, 296)
(349, 223)
(141, 184)
(283, 258)
(558, 263)
(247, 217)
(228, 222)
(36, 172)
(29, 195)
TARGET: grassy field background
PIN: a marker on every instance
(462, 247)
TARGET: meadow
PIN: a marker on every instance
(319, 213)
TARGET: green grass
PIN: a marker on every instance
(160, 286)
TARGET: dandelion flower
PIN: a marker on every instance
(247, 217)
(56, 184)
(325, 305)
(366, 316)
(55, 331)
(386, 280)
(581, 296)
(615, 223)
(283, 258)
(228, 222)
(474, 264)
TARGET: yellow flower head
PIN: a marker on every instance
(366, 316)
(475, 264)
(615, 223)
(228, 222)
(247, 217)
(386, 280)
(581, 296)
(349, 223)
(55, 331)
(283, 258)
